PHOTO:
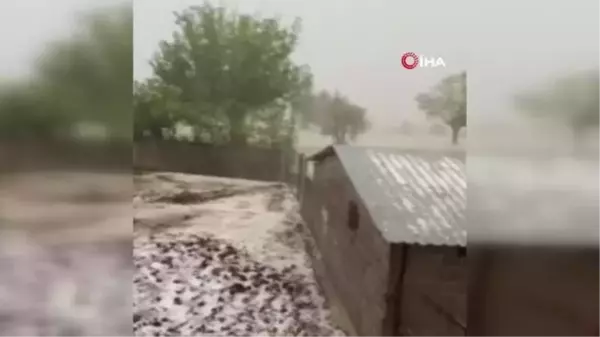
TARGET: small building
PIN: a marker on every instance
(388, 225)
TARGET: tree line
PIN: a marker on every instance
(228, 76)
(231, 78)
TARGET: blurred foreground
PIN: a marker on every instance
(65, 232)
(65, 254)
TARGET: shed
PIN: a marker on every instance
(388, 225)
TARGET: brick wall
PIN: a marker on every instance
(535, 291)
(356, 260)
(225, 161)
(433, 299)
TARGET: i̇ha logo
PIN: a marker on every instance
(412, 60)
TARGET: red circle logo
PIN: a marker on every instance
(413, 63)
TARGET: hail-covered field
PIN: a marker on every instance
(220, 256)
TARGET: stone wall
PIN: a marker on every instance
(357, 260)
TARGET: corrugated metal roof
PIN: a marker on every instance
(414, 196)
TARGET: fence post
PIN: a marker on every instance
(301, 177)
(282, 163)
(298, 181)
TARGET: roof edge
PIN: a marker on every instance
(457, 153)
(322, 154)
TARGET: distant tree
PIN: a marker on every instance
(231, 64)
(571, 101)
(338, 117)
(447, 101)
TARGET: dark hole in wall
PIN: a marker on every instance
(462, 252)
(353, 216)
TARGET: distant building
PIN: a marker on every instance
(389, 227)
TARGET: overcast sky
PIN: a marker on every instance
(27, 26)
(355, 46)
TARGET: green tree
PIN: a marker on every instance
(90, 74)
(231, 64)
(27, 113)
(273, 126)
(159, 111)
(338, 117)
(156, 110)
(570, 100)
(447, 101)
(85, 78)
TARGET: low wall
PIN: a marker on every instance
(25, 156)
(224, 161)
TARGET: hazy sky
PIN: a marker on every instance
(356, 46)
(28, 25)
